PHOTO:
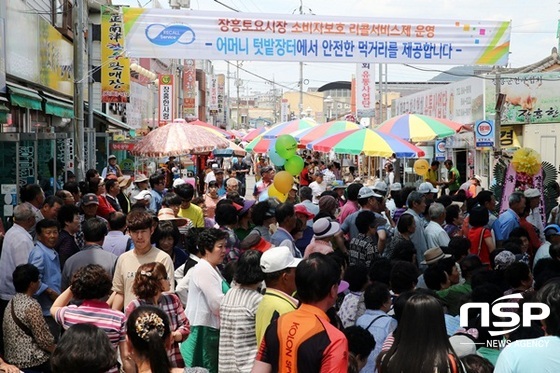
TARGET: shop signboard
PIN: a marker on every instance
(365, 90)
(529, 98)
(439, 153)
(165, 99)
(484, 134)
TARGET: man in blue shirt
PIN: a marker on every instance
(509, 220)
(375, 320)
(45, 258)
(157, 183)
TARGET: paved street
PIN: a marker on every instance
(250, 180)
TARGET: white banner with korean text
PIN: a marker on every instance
(168, 33)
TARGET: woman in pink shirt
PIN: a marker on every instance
(323, 233)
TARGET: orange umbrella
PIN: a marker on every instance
(179, 138)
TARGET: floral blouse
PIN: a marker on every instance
(21, 349)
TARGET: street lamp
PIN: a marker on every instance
(329, 101)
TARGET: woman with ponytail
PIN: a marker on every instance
(148, 337)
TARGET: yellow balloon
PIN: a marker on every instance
(274, 193)
(421, 167)
(283, 181)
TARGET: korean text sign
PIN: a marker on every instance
(166, 33)
(115, 68)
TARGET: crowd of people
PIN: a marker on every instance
(143, 275)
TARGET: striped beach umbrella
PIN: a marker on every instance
(366, 141)
(259, 145)
(288, 128)
(306, 136)
(416, 127)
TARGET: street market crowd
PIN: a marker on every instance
(346, 274)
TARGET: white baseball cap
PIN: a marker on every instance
(427, 187)
(278, 258)
(143, 195)
(178, 181)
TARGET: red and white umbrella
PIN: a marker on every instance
(179, 138)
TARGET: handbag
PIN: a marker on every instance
(20, 324)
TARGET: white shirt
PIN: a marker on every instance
(15, 251)
(183, 280)
(328, 177)
(536, 219)
(436, 236)
(317, 190)
(542, 253)
(205, 296)
(209, 177)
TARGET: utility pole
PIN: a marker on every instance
(238, 84)
(90, 135)
(227, 102)
(498, 115)
(78, 31)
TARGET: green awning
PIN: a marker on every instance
(4, 108)
(59, 108)
(29, 99)
(3, 117)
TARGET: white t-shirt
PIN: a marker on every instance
(317, 189)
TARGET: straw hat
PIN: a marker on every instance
(167, 214)
(124, 181)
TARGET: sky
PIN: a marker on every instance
(532, 38)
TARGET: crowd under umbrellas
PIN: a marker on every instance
(370, 266)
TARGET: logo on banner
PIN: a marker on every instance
(440, 150)
(168, 35)
(506, 310)
(484, 133)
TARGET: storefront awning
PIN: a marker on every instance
(58, 106)
(25, 97)
(112, 121)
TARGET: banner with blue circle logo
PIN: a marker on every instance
(484, 133)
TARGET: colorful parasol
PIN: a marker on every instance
(288, 128)
(322, 130)
(232, 149)
(178, 138)
(200, 123)
(416, 127)
(368, 142)
(259, 145)
(254, 133)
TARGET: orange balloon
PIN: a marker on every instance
(283, 181)
(274, 193)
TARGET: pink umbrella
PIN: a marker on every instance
(178, 138)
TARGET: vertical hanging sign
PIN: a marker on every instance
(165, 99)
(189, 88)
(115, 67)
(221, 119)
(365, 90)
